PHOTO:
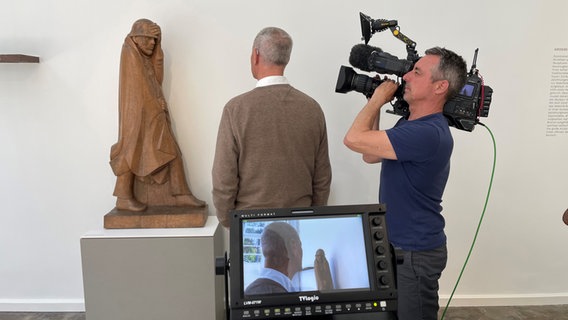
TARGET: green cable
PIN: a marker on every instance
(480, 220)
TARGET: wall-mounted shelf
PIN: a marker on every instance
(18, 58)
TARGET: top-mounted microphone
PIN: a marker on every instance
(369, 58)
(360, 54)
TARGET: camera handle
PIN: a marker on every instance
(410, 44)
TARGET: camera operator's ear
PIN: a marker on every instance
(441, 87)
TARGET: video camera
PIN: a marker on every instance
(462, 111)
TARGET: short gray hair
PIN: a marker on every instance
(452, 68)
(274, 44)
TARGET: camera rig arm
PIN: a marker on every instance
(412, 54)
(369, 26)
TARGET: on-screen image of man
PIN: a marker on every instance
(415, 156)
(282, 252)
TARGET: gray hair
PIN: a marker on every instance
(275, 240)
(274, 44)
(452, 68)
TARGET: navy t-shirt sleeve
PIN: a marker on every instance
(413, 140)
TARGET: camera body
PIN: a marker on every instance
(473, 100)
(462, 111)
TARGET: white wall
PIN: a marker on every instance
(59, 118)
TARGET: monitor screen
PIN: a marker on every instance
(468, 90)
(338, 252)
(310, 261)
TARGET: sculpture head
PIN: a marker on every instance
(146, 34)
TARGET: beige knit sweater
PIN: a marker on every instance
(271, 152)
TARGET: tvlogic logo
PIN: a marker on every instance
(309, 298)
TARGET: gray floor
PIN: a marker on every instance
(555, 312)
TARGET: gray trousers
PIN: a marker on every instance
(417, 280)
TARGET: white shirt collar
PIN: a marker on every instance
(279, 277)
(271, 80)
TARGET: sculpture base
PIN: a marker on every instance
(157, 217)
(148, 274)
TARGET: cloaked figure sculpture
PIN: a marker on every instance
(321, 269)
(146, 160)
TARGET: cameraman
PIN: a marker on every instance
(415, 156)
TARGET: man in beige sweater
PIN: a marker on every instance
(272, 146)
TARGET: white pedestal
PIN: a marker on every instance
(138, 274)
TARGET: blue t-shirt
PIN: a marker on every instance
(412, 186)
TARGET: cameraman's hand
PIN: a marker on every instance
(384, 92)
(364, 136)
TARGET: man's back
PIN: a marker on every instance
(271, 151)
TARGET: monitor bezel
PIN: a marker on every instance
(238, 300)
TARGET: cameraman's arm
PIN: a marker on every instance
(370, 158)
(362, 136)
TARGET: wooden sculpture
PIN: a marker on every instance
(147, 160)
(322, 271)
